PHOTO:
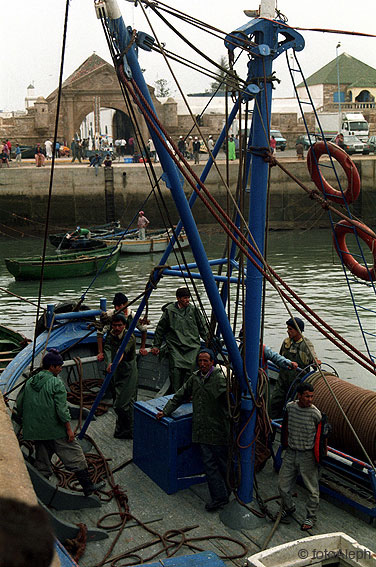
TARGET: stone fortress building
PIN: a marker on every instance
(95, 82)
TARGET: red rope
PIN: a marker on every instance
(179, 161)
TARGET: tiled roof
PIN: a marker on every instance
(91, 64)
(351, 72)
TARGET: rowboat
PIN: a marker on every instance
(11, 343)
(156, 242)
(106, 230)
(70, 265)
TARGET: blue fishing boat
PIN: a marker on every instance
(165, 446)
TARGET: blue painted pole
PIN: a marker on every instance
(123, 38)
(254, 280)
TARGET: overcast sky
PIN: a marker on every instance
(31, 32)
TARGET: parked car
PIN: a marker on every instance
(372, 144)
(26, 151)
(305, 140)
(353, 145)
(281, 141)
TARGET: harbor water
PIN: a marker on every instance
(306, 260)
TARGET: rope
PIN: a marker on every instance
(269, 276)
(21, 298)
(58, 102)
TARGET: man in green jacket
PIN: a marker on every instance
(43, 408)
(125, 377)
(299, 350)
(181, 326)
(210, 423)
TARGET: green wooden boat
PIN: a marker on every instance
(11, 343)
(70, 265)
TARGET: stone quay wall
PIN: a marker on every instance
(78, 196)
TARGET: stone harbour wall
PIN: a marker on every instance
(78, 196)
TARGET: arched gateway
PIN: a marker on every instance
(94, 79)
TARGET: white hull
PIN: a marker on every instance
(150, 245)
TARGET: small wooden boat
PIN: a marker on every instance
(70, 265)
(155, 242)
(110, 230)
(80, 244)
(11, 343)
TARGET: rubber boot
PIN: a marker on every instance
(85, 481)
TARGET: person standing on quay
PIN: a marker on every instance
(207, 388)
(48, 146)
(196, 149)
(273, 144)
(231, 149)
(181, 326)
(142, 223)
(18, 155)
(74, 147)
(299, 436)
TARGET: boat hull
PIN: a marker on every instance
(64, 266)
(11, 343)
(150, 245)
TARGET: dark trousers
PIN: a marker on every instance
(214, 458)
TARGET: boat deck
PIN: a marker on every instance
(186, 508)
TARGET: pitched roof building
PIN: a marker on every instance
(357, 84)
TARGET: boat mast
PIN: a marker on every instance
(264, 33)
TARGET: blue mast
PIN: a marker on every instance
(265, 34)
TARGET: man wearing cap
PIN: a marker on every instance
(181, 145)
(298, 350)
(196, 149)
(43, 408)
(181, 326)
(207, 388)
(142, 223)
(124, 379)
(120, 303)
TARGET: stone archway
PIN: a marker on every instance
(94, 78)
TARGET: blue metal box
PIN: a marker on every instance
(163, 449)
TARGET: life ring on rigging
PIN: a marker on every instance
(339, 239)
(351, 193)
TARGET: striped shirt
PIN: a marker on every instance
(302, 426)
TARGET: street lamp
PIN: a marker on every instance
(339, 90)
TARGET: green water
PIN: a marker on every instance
(306, 261)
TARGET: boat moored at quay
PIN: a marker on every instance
(164, 488)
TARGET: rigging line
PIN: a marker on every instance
(132, 113)
(198, 23)
(22, 233)
(224, 225)
(196, 67)
(322, 30)
(20, 297)
(58, 102)
(188, 107)
(191, 45)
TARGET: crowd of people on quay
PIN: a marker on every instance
(194, 376)
(121, 150)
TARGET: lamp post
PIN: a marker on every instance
(339, 90)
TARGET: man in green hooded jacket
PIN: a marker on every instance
(43, 408)
(181, 326)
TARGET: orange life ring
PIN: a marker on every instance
(339, 239)
(352, 191)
